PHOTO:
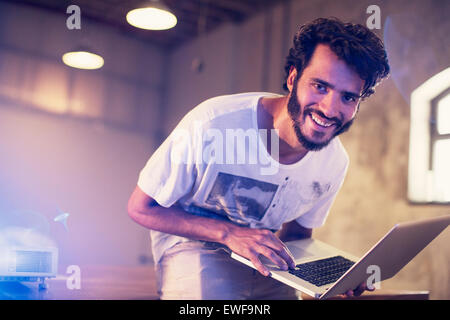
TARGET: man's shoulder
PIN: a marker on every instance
(338, 147)
(225, 104)
(236, 97)
(333, 156)
(339, 152)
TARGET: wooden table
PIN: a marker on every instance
(135, 283)
(97, 283)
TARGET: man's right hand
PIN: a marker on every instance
(250, 243)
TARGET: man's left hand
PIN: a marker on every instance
(357, 291)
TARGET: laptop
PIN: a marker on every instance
(323, 271)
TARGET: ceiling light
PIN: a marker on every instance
(83, 60)
(155, 16)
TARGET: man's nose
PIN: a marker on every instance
(330, 105)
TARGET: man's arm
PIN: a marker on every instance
(247, 242)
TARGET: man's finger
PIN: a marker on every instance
(281, 249)
(360, 289)
(349, 293)
(288, 257)
(274, 257)
(258, 264)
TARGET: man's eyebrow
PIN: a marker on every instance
(329, 85)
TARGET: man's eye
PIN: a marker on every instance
(349, 99)
(320, 87)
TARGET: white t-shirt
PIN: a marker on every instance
(215, 164)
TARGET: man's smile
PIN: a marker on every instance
(321, 121)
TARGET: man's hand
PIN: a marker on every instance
(250, 243)
(358, 291)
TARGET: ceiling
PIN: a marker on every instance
(195, 17)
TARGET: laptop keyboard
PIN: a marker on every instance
(324, 271)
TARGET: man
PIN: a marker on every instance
(201, 206)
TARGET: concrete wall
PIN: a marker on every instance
(74, 140)
(250, 57)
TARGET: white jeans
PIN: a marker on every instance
(198, 270)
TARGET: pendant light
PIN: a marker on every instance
(83, 59)
(153, 15)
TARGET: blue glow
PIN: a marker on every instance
(63, 219)
(23, 237)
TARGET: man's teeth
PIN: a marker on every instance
(320, 122)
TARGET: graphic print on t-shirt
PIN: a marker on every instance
(241, 196)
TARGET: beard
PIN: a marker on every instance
(296, 112)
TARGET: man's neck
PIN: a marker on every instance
(272, 114)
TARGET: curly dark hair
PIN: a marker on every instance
(359, 47)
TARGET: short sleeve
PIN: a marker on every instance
(170, 173)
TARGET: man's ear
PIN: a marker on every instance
(291, 78)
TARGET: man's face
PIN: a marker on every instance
(324, 100)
